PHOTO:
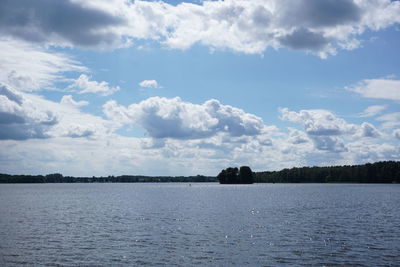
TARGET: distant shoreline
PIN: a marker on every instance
(216, 182)
(386, 172)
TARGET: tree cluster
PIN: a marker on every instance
(244, 175)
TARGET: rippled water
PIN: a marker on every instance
(201, 224)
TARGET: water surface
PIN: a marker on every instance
(202, 224)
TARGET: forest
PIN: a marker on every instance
(379, 172)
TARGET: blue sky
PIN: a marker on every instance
(185, 88)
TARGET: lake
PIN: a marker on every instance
(177, 224)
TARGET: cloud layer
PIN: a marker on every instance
(200, 138)
(320, 27)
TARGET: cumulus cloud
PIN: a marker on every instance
(28, 68)
(297, 137)
(68, 100)
(326, 130)
(25, 116)
(372, 111)
(20, 119)
(72, 122)
(88, 86)
(378, 88)
(329, 143)
(251, 26)
(321, 27)
(318, 122)
(149, 84)
(368, 130)
(174, 118)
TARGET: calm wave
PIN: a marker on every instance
(201, 224)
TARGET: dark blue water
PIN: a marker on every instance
(201, 224)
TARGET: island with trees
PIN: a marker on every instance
(244, 175)
(379, 172)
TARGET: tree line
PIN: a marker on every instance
(379, 172)
(59, 178)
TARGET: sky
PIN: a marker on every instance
(118, 87)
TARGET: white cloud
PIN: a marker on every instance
(390, 120)
(24, 116)
(372, 111)
(326, 130)
(378, 88)
(20, 118)
(28, 68)
(68, 100)
(297, 137)
(72, 122)
(318, 122)
(361, 151)
(329, 143)
(149, 84)
(368, 130)
(320, 27)
(87, 86)
(174, 118)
